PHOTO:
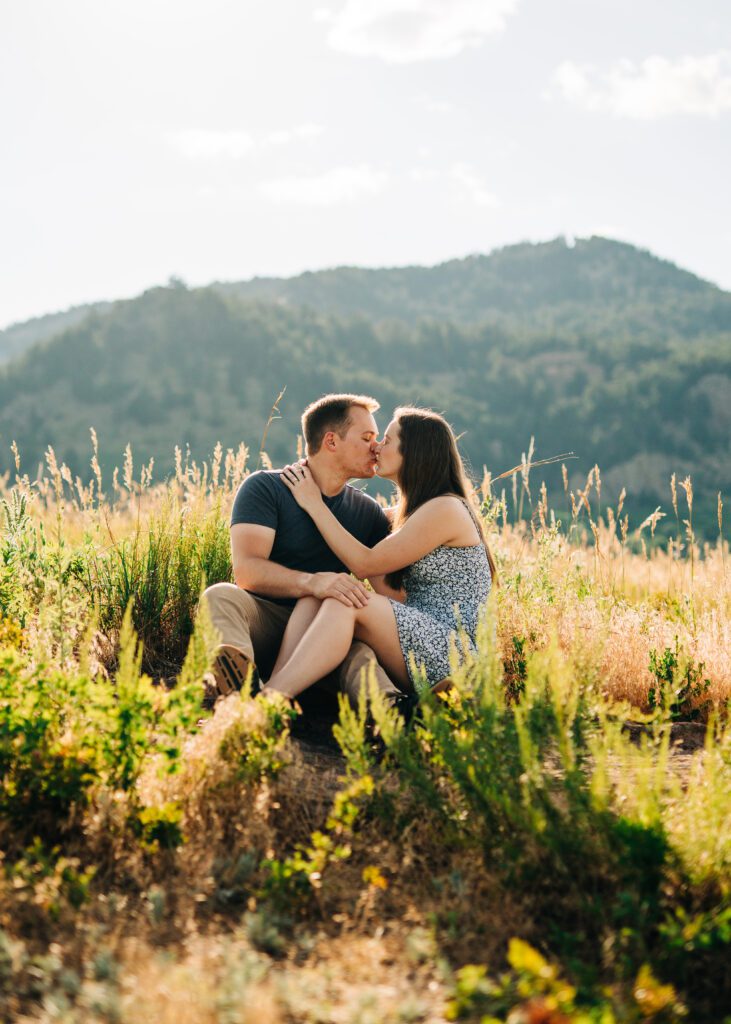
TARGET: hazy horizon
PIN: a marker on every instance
(205, 284)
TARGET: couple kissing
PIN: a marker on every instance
(304, 540)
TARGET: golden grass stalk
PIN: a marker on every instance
(574, 506)
(720, 515)
(687, 486)
(598, 480)
(95, 467)
(128, 473)
(533, 465)
(721, 542)
(274, 414)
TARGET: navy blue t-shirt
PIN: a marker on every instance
(263, 500)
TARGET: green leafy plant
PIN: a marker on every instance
(255, 745)
(159, 828)
(291, 882)
(515, 665)
(48, 760)
(535, 990)
(159, 571)
(679, 685)
(48, 881)
(24, 563)
(478, 766)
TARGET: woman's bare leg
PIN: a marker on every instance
(328, 639)
(304, 612)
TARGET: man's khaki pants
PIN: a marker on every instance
(256, 626)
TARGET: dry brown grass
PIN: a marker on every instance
(614, 592)
(615, 606)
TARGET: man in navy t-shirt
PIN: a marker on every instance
(279, 555)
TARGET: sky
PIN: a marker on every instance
(222, 140)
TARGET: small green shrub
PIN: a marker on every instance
(24, 563)
(135, 720)
(62, 733)
(701, 931)
(534, 990)
(268, 931)
(679, 685)
(515, 666)
(255, 745)
(233, 875)
(47, 759)
(159, 828)
(291, 882)
(160, 571)
(11, 633)
(562, 806)
(44, 880)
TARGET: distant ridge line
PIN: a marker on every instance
(491, 272)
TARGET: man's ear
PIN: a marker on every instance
(329, 441)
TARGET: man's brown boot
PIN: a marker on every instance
(228, 673)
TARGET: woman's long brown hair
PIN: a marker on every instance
(431, 466)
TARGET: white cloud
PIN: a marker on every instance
(657, 87)
(434, 106)
(302, 131)
(201, 144)
(212, 145)
(420, 173)
(402, 31)
(338, 185)
(470, 182)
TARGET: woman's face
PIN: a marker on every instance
(389, 454)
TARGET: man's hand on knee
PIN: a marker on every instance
(340, 585)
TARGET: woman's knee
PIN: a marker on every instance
(368, 618)
(334, 606)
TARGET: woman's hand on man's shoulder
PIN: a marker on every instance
(298, 480)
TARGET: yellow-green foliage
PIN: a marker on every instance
(542, 806)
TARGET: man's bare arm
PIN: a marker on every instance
(251, 547)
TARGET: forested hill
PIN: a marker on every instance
(547, 286)
(14, 340)
(552, 284)
(179, 366)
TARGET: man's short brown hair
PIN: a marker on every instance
(331, 412)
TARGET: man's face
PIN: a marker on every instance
(358, 450)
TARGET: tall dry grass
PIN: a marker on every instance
(591, 578)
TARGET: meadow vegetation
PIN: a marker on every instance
(551, 842)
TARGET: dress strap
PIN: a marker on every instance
(473, 515)
(480, 532)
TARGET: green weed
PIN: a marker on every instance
(679, 686)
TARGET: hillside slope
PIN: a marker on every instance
(546, 286)
(19, 337)
(191, 367)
